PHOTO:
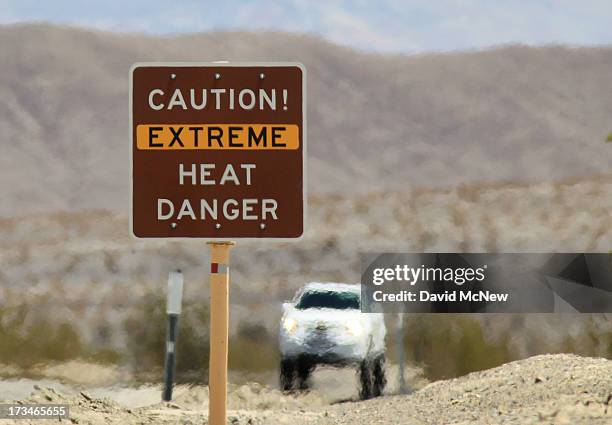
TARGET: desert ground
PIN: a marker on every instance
(546, 389)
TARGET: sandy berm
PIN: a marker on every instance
(546, 389)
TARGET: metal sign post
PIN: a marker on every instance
(218, 153)
(175, 295)
(219, 331)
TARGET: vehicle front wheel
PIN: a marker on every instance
(365, 380)
(287, 374)
(305, 367)
(379, 379)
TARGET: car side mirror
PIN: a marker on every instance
(287, 306)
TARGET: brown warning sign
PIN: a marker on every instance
(218, 150)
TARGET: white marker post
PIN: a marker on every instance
(401, 358)
(175, 296)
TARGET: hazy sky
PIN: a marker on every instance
(385, 25)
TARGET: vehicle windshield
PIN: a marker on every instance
(328, 299)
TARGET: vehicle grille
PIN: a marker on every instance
(318, 339)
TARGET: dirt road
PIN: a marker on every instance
(549, 389)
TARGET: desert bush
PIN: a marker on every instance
(253, 349)
(448, 346)
(27, 343)
(146, 328)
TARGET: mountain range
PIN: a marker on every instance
(375, 122)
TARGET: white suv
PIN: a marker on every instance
(324, 325)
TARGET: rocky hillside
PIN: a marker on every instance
(374, 122)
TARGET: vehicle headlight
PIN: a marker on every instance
(290, 325)
(354, 328)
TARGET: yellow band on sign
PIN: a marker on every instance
(218, 136)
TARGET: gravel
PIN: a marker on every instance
(546, 389)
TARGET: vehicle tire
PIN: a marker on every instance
(378, 378)
(287, 374)
(304, 369)
(365, 380)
